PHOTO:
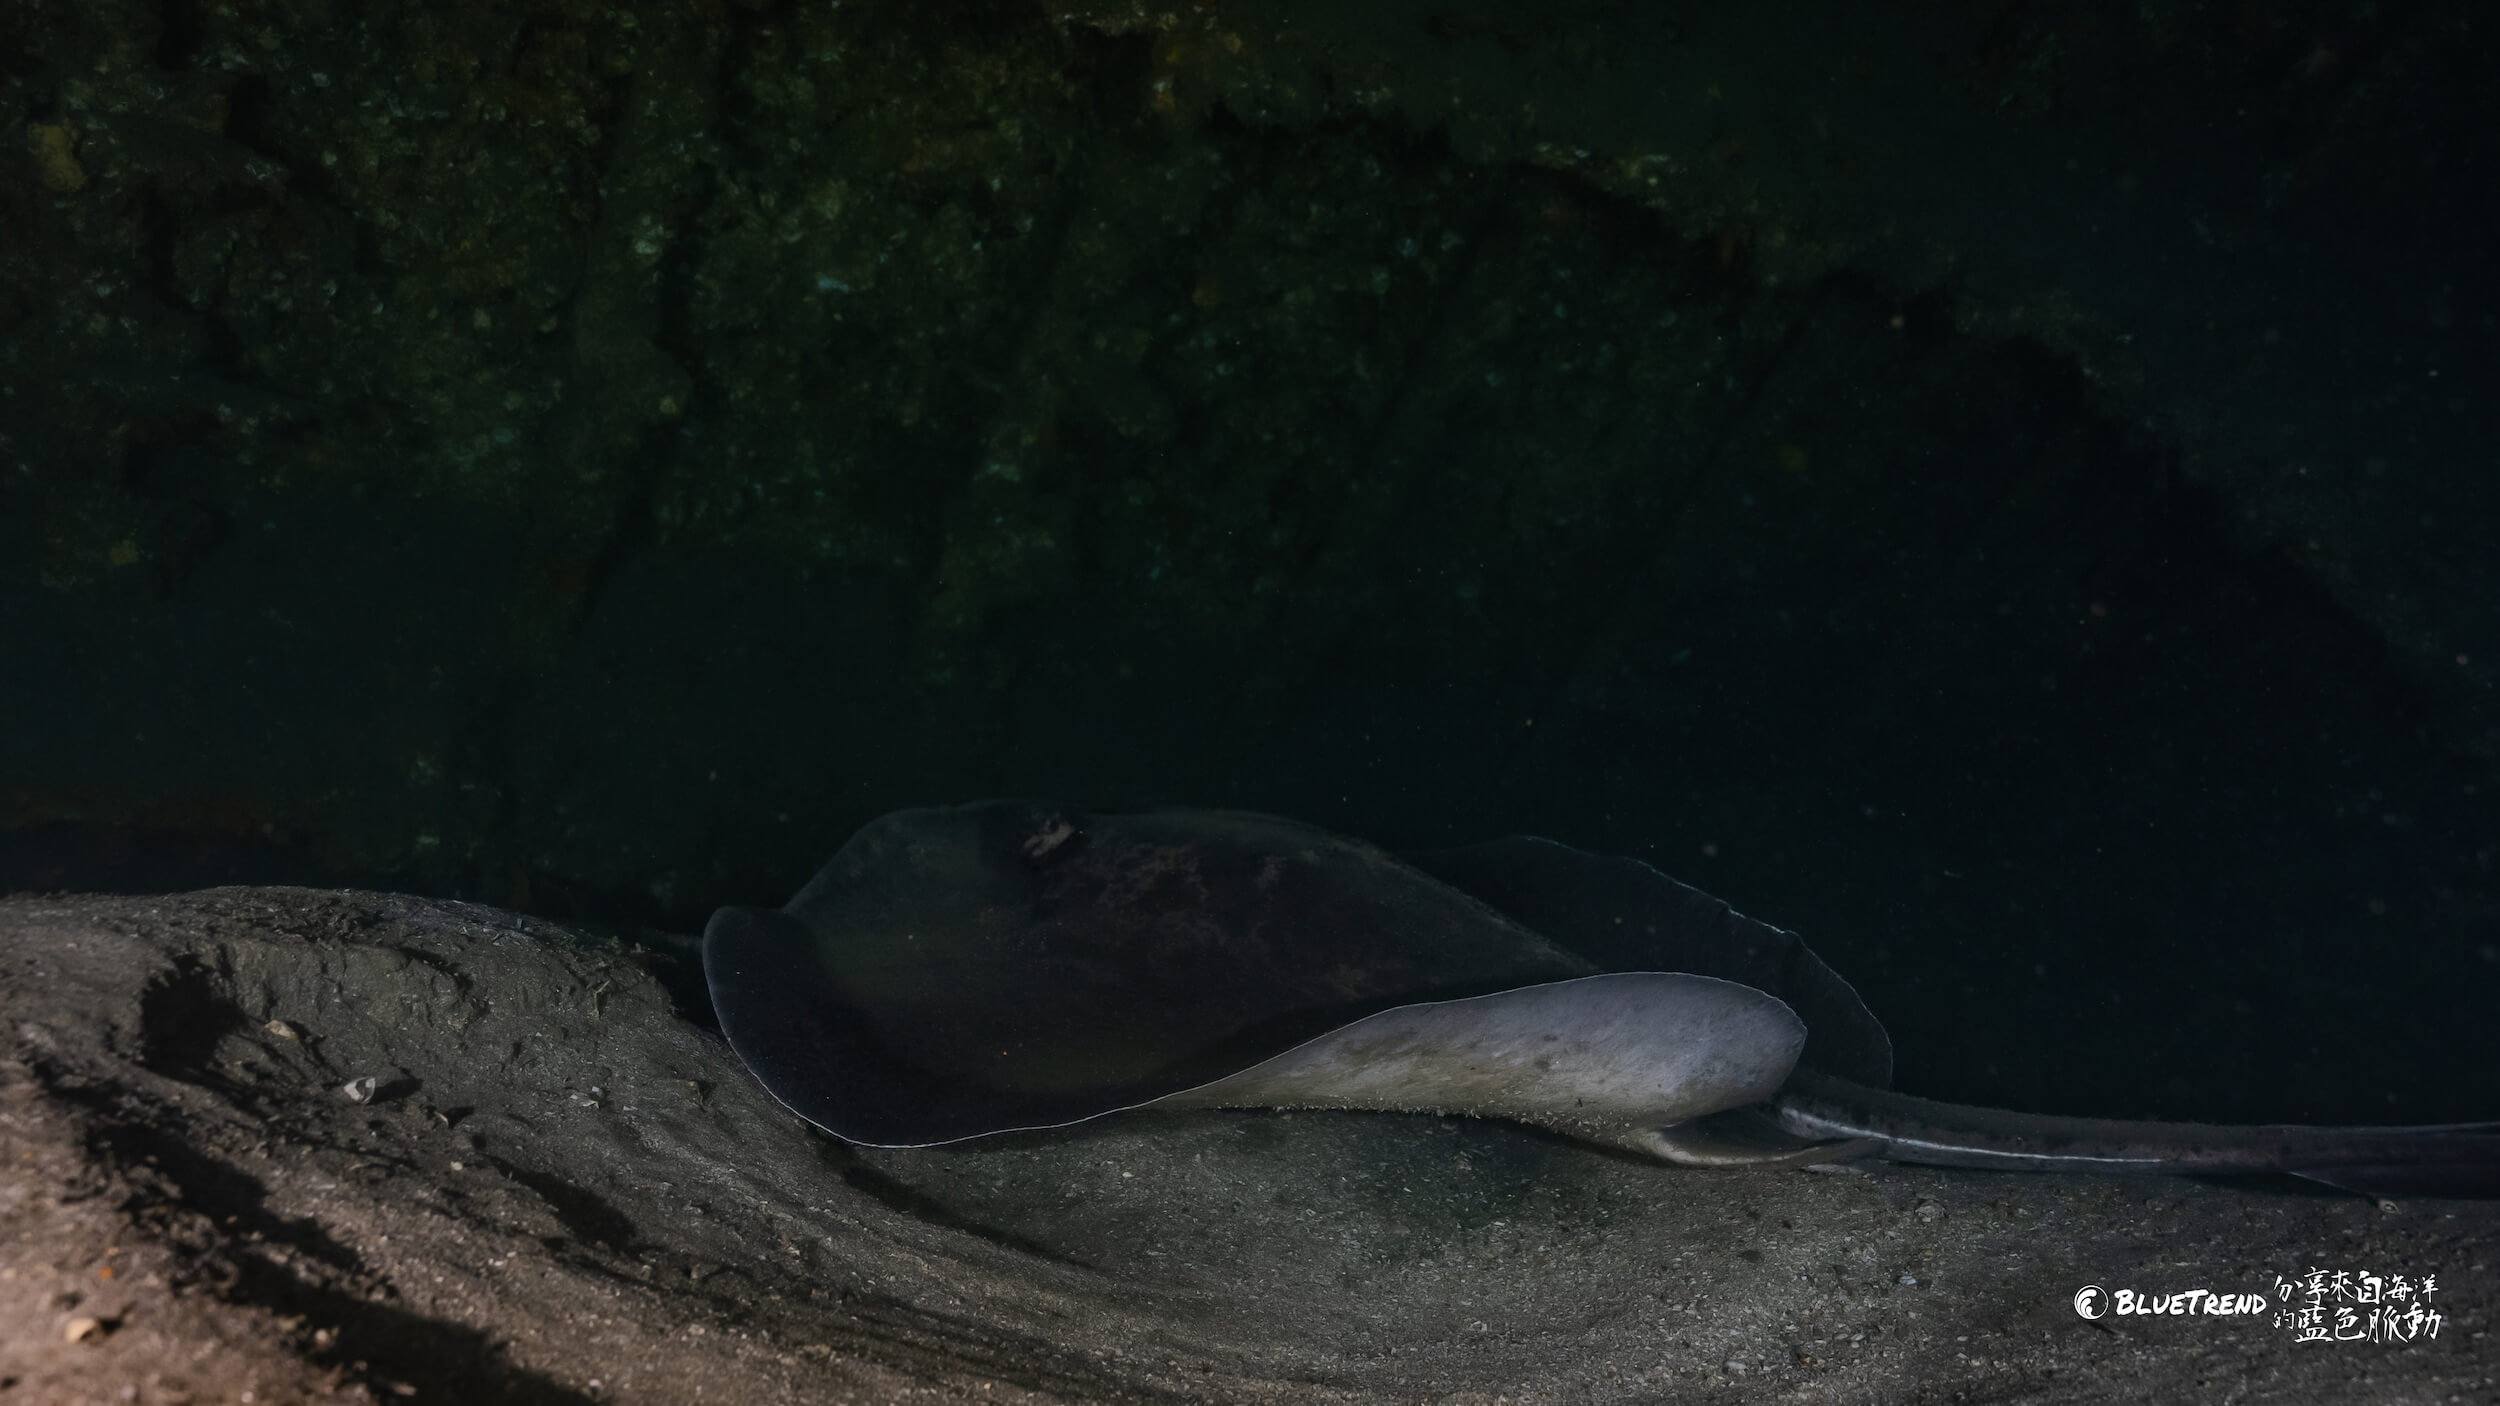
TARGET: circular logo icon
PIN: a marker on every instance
(2090, 1302)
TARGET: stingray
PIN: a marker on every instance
(962, 972)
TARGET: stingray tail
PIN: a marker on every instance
(2452, 1159)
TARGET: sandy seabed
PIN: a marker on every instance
(560, 1186)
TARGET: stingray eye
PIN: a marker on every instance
(1049, 835)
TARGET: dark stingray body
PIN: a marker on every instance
(1006, 965)
(955, 972)
(975, 969)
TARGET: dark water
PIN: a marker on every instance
(2007, 497)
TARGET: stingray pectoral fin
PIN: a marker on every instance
(2453, 1159)
(1607, 1058)
(1624, 915)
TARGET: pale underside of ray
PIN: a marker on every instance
(1609, 1058)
